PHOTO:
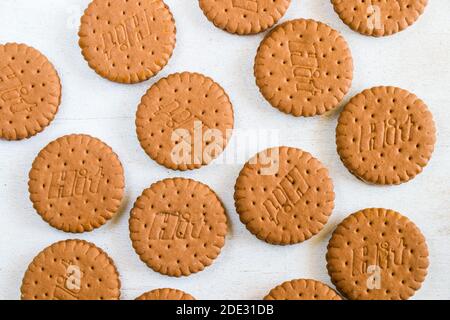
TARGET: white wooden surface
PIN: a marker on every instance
(417, 59)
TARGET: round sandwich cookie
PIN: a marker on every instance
(30, 91)
(165, 294)
(284, 195)
(76, 183)
(385, 135)
(244, 16)
(377, 254)
(127, 41)
(303, 67)
(184, 121)
(302, 289)
(379, 17)
(71, 270)
(178, 226)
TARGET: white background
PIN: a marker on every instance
(417, 59)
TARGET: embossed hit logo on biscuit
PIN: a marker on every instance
(305, 63)
(71, 183)
(176, 115)
(288, 192)
(176, 226)
(76, 183)
(384, 255)
(127, 41)
(127, 34)
(390, 132)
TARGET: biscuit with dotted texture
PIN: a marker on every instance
(377, 254)
(379, 17)
(71, 270)
(303, 67)
(165, 294)
(178, 226)
(244, 16)
(385, 135)
(76, 183)
(302, 289)
(127, 41)
(286, 202)
(184, 121)
(30, 91)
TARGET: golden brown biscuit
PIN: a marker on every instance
(184, 121)
(165, 294)
(303, 67)
(284, 195)
(127, 41)
(178, 226)
(385, 135)
(244, 16)
(377, 254)
(76, 183)
(71, 270)
(302, 289)
(379, 17)
(30, 91)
